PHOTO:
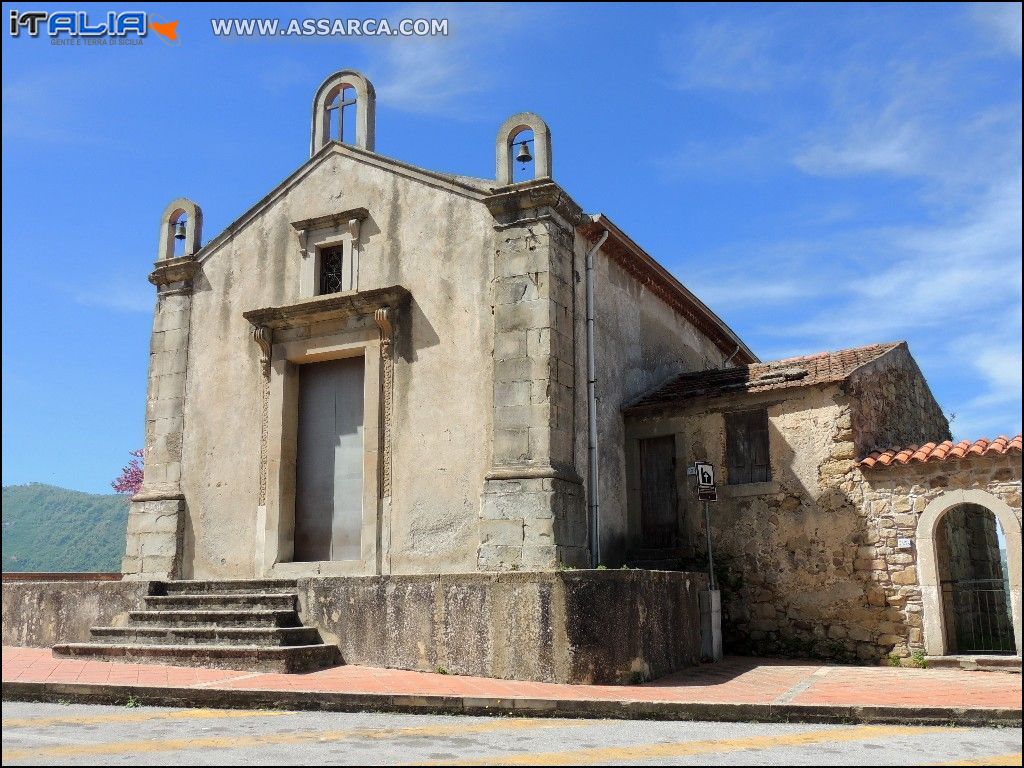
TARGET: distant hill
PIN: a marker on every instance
(46, 528)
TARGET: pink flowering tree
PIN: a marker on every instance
(130, 480)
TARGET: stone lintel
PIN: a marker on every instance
(334, 306)
(331, 219)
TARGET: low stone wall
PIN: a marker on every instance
(590, 626)
(572, 626)
(41, 613)
(559, 626)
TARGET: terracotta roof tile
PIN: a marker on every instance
(943, 451)
(821, 368)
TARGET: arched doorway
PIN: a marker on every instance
(974, 579)
(971, 591)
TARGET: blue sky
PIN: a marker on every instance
(822, 176)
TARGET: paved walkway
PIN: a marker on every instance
(735, 681)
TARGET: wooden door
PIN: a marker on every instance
(658, 508)
(329, 461)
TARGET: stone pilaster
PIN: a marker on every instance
(533, 513)
(157, 516)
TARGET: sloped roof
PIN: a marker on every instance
(807, 370)
(944, 451)
(646, 270)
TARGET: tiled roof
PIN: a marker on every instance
(822, 368)
(943, 451)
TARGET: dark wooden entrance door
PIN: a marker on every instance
(329, 461)
(659, 516)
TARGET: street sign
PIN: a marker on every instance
(707, 494)
(705, 475)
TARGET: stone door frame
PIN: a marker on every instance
(282, 434)
(934, 619)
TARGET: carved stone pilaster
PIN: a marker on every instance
(264, 338)
(383, 318)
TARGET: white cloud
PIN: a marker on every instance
(724, 55)
(868, 151)
(1003, 22)
(429, 74)
(944, 270)
(118, 296)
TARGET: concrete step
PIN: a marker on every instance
(232, 586)
(659, 553)
(285, 659)
(258, 636)
(214, 618)
(658, 565)
(977, 662)
(240, 601)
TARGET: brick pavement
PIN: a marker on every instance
(736, 680)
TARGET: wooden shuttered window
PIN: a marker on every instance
(746, 442)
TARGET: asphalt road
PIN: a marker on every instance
(55, 734)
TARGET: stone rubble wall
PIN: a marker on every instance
(893, 406)
(891, 502)
(810, 563)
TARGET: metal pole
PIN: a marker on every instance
(711, 559)
(593, 481)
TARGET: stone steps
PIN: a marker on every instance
(265, 586)
(237, 601)
(252, 625)
(215, 635)
(214, 618)
(977, 662)
(286, 659)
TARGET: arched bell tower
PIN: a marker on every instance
(510, 129)
(345, 88)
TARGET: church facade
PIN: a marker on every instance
(383, 369)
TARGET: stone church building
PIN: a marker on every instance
(432, 404)
(380, 369)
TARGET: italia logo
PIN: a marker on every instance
(82, 24)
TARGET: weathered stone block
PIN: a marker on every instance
(501, 532)
(906, 576)
(511, 446)
(540, 557)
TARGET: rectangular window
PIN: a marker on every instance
(746, 444)
(332, 262)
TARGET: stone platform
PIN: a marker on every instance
(579, 627)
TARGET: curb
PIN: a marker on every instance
(226, 698)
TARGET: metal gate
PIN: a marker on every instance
(981, 615)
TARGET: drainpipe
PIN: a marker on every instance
(729, 359)
(593, 486)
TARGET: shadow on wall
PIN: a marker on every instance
(421, 334)
(786, 561)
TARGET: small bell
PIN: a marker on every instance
(523, 156)
(179, 230)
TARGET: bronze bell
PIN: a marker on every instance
(179, 230)
(523, 156)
